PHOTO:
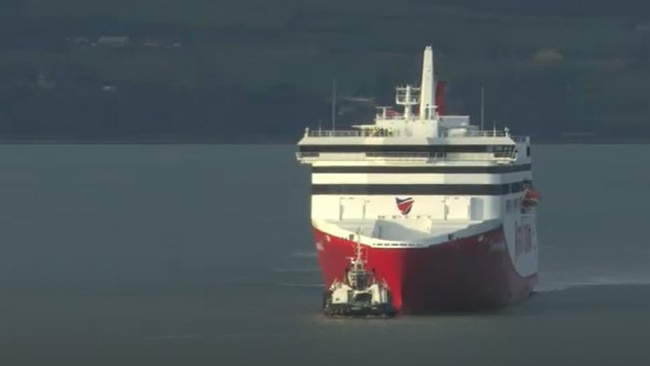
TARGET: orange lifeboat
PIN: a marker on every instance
(531, 198)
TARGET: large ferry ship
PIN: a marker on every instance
(444, 211)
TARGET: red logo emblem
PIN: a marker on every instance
(404, 204)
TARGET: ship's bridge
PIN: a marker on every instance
(399, 142)
(446, 127)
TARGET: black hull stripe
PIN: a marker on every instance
(423, 169)
(419, 189)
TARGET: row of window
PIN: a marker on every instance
(419, 189)
(431, 149)
(496, 169)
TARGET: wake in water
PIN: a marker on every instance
(172, 337)
(307, 285)
(305, 272)
(304, 254)
(552, 281)
(305, 269)
(559, 285)
(589, 263)
(310, 276)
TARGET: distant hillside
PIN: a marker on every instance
(253, 70)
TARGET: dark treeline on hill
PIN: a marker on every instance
(152, 113)
(254, 71)
(553, 8)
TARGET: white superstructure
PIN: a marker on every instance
(413, 180)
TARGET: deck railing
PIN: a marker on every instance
(350, 133)
(401, 156)
(386, 132)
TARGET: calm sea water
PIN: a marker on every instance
(202, 255)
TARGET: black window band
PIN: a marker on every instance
(498, 169)
(419, 189)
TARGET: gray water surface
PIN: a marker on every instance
(202, 255)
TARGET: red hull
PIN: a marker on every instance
(468, 273)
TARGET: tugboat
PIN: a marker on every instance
(359, 294)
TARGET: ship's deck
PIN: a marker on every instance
(398, 230)
(416, 231)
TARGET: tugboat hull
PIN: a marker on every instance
(357, 310)
(359, 292)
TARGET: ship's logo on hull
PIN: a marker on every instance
(404, 204)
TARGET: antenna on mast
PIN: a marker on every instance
(358, 260)
(482, 105)
(427, 91)
(333, 104)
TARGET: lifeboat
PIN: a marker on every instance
(531, 198)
